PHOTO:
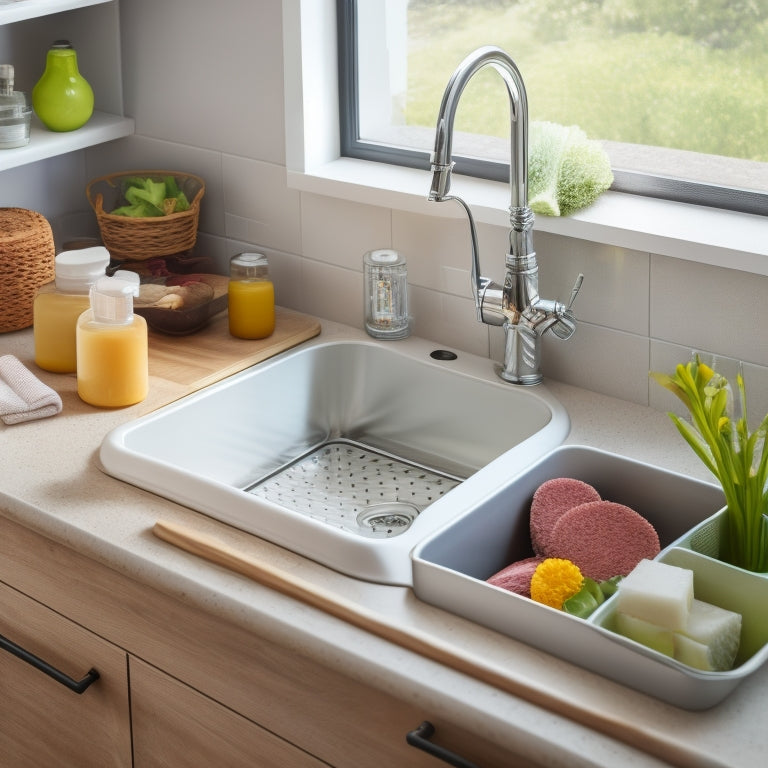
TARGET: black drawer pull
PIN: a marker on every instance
(420, 738)
(78, 686)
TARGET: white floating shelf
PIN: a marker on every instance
(44, 143)
(19, 10)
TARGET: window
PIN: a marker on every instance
(678, 92)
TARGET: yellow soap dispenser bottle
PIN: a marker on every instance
(59, 304)
(112, 345)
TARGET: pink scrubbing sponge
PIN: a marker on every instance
(517, 576)
(604, 539)
(551, 500)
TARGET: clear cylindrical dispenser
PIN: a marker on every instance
(15, 111)
(386, 294)
(251, 297)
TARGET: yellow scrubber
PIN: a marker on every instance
(554, 581)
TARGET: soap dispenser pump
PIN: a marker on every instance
(112, 345)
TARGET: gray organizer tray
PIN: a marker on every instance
(451, 566)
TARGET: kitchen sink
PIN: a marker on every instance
(346, 452)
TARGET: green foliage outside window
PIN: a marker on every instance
(687, 75)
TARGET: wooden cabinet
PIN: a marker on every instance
(42, 723)
(174, 725)
(202, 687)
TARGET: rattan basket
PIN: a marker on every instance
(27, 261)
(145, 238)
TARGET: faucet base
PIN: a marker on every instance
(521, 354)
(526, 380)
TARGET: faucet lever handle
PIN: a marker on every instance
(575, 291)
(565, 326)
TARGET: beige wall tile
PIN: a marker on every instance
(616, 282)
(259, 206)
(600, 359)
(719, 310)
(232, 101)
(332, 292)
(340, 232)
(447, 320)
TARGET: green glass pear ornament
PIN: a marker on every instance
(62, 97)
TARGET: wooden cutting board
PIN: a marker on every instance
(211, 354)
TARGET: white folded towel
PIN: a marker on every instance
(23, 397)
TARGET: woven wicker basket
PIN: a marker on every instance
(27, 261)
(139, 239)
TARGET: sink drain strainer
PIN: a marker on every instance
(385, 520)
(351, 486)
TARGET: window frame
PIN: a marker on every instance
(630, 182)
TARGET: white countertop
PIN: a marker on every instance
(52, 483)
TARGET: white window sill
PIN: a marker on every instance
(695, 233)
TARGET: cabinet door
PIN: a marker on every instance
(174, 726)
(43, 723)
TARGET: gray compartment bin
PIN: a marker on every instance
(450, 568)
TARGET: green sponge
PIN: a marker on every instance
(566, 170)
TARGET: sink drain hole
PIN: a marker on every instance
(386, 520)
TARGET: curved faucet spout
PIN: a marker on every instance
(515, 304)
(518, 106)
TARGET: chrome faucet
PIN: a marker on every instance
(516, 305)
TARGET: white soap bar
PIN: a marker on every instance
(711, 639)
(658, 593)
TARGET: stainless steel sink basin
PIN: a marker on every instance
(347, 452)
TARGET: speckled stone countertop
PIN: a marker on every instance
(52, 483)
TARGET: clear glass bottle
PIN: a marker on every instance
(112, 345)
(62, 97)
(59, 304)
(15, 111)
(251, 297)
(386, 294)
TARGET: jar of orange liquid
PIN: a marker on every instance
(112, 345)
(251, 297)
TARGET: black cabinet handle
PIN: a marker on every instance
(78, 686)
(420, 738)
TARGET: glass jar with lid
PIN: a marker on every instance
(251, 297)
(386, 294)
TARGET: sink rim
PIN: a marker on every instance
(385, 560)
